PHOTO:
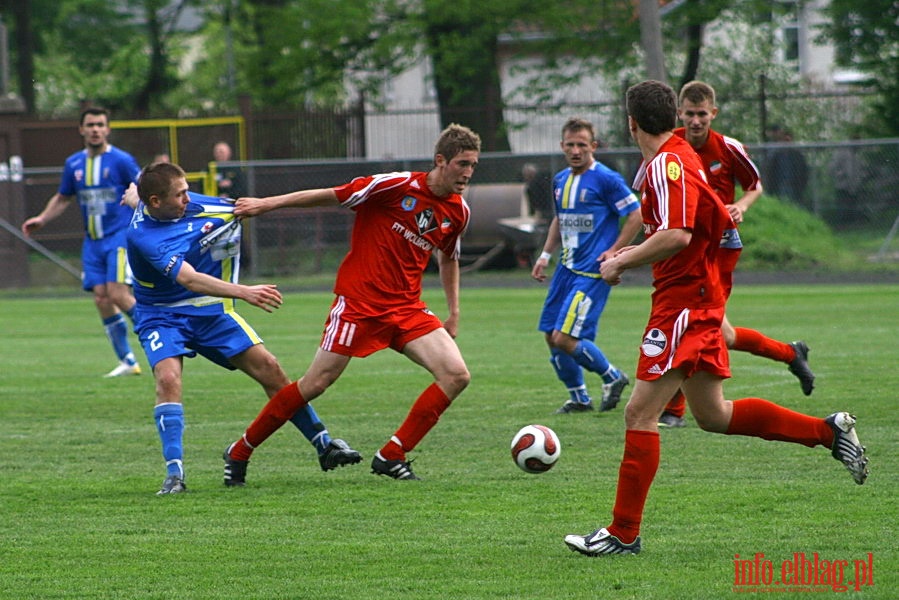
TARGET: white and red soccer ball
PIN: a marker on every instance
(536, 448)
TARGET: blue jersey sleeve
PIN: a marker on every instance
(625, 201)
(67, 181)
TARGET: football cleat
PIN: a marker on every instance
(235, 470)
(571, 406)
(123, 370)
(846, 447)
(398, 469)
(671, 420)
(799, 367)
(600, 543)
(172, 485)
(337, 454)
(611, 392)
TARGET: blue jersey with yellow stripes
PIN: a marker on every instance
(207, 237)
(98, 183)
(589, 206)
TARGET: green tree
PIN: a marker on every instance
(462, 41)
(685, 26)
(568, 40)
(118, 54)
(866, 37)
(295, 52)
(23, 46)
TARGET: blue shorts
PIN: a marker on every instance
(217, 337)
(574, 304)
(104, 261)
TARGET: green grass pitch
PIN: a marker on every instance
(81, 462)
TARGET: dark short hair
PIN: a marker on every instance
(653, 105)
(577, 124)
(697, 92)
(456, 139)
(95, 111)
(156, 179)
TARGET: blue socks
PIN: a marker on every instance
(568, 368)
(587, 355)
(169, 419)
(569, 373)
(117, 332)
(307, 421)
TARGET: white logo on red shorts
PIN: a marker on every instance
(654, 343)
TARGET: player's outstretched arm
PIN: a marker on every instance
(267, 297)
(252, 207)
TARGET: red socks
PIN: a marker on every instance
(751, 417)
(760, 418)
(275, 413)
(677, 406)
(421, 419)
(752, 341)
(638, 468)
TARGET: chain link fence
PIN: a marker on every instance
(852, 184)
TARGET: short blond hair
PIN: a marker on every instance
(456, 139)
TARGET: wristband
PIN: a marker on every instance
(545, 256)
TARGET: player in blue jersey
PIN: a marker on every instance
(97, 176)
(590, 200)
(184, 250)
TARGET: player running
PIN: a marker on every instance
(97, 176)
(683, 346)
(726, 163)
(401, 220)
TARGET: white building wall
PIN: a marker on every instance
(400, 135)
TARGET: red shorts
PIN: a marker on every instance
(727, 262)
(686, 339)
(355, 328)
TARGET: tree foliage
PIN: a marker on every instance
(300, 52)
(284, 54)
(866, 36)
(115, 53)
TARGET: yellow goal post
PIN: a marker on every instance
(172, 126)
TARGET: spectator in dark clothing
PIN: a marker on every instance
(787, 172)
(230, 179)
(538, 191)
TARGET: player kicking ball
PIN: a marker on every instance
(401, 220)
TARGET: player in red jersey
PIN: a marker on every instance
(686, 227)
(401, 219)
(727, 163)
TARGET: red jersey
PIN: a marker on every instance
(677, 195)
(399, 222)
(726, 162)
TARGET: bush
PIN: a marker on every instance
(778, 236)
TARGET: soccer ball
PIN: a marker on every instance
(536, 448)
